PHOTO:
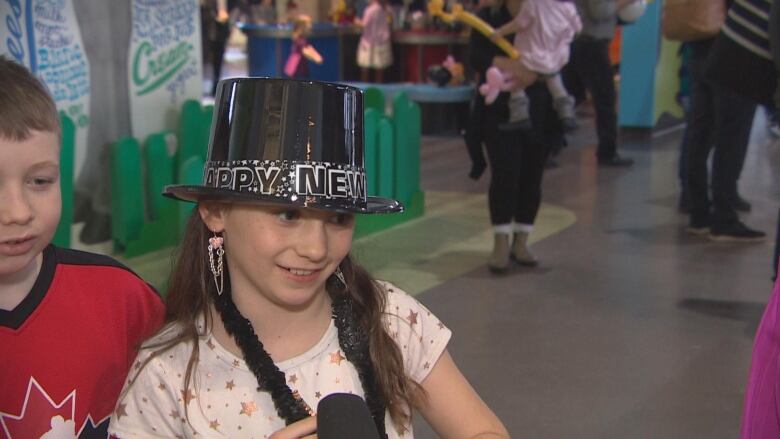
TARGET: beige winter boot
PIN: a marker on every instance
(521, 253)
(499, 260)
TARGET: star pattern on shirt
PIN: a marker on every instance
(317, 395)
(336, 358)
(214, 425)
(121, 410)
(174, 414)
(247, 408)
(161, 386)
(412, 317)
(187, 396)
(229, 385)
(293, 378)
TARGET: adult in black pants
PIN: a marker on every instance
(516, 158)
(589, 59)
(517, 161)
(719, 121)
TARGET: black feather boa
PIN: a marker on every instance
(290, 407)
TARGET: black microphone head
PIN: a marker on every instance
(344, 416)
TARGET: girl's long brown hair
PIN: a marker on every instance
(189, 298)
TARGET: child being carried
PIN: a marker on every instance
(543, 32)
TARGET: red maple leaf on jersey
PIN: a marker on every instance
(35, 417)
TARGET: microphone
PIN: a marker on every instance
(344, 416)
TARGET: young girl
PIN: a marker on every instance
(301, 52)
(543, 32)
(374, 50)
(267, 311)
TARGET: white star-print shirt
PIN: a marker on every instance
(222, 400)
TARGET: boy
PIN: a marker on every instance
(70, 321)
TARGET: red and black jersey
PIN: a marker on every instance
(65, 350)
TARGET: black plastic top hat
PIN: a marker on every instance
(287, 142)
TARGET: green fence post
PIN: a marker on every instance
(193, 134)
(406, 120)
(67, 147)
(188, 135)
(127, 206)
(159, 172)
(161, 227)
(205, 131)
(386, 168)
(370, 148)
(374, 98)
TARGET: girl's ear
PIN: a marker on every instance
(213, 215)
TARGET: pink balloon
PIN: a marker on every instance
(494, 84)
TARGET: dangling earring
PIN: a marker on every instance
(340, 276)
(215, 247)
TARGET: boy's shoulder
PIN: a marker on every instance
(107, 285)
(68, 256)
(88, 261)
(93, 267)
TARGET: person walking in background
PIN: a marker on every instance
(590, 60)
(374, 49)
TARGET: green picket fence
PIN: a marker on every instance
(142, 220)
(392, 159)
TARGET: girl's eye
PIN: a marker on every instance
(343, 219)
(288, 215)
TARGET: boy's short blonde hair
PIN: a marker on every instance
(25, 104)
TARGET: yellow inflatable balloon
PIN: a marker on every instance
(436, 9)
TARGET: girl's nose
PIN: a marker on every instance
(313, 241)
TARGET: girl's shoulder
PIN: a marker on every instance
(418, 333)
(168, 347)
(405, 312)
(395, 296)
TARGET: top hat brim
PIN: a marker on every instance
(195, 194)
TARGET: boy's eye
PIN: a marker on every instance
(41, 181)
